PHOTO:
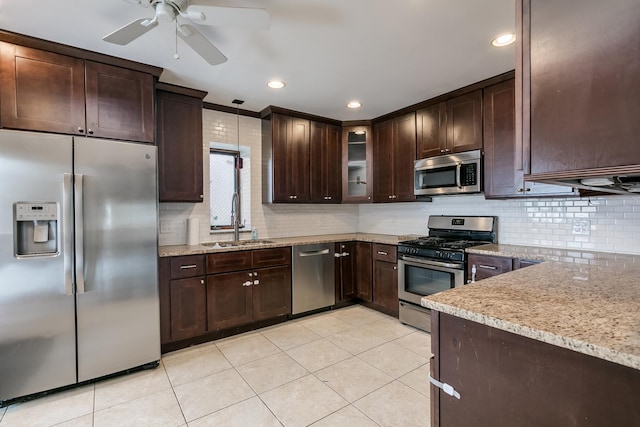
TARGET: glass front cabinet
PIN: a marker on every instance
(356, 172)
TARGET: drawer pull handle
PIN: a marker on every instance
(187, 267)
(248, 283)
(487, 267)
(383, 253)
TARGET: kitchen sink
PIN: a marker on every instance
(238, 243)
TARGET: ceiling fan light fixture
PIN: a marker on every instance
(504, 39)
(276, 84)
(354, 104)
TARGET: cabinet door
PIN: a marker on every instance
(404, 155)
(227, 262)
(188, 308)
(291, 177)
(502, 177)
(488, 266)
(119, 102)
(325, 163)
(356, 164)
(382, 162)
(271, 257)
(41, 91)
(180, 150)
(431, 123)
(271, 292)
(504, 162)
(585, 85)
(345, 271)
(385, 286)
(364, 278)
(229, 300)
(506, 379)
(464, 122)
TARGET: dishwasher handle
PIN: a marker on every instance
(314, 253)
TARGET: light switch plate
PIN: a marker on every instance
(165, 227)
(581, 227)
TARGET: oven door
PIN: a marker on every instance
(421, 277)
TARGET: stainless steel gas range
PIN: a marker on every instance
(437, 262)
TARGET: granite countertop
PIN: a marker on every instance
(178, 250)
(583, 301)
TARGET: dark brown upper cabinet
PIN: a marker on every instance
(580, 81)
(52, 92)
(326, 164)
(357, 174)
(301, 160)
(450, 126)
(180, 145)
(505, 159)
(286, 143)
(394, 152)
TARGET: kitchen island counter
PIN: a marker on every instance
(179, 250)
(588, 302)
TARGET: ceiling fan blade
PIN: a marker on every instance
(201, 45)
(239, 17)
(130, 32)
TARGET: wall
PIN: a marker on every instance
(613, 221)
(269, 220)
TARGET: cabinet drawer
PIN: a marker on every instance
(187, 266)
(384, 252)
(228, 261)
(271, 257)
(489, 266)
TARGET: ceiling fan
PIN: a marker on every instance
(170, 10)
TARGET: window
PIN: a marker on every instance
(222, 178)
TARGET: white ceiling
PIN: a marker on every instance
(387, 54)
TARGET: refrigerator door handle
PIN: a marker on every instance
(79, 210)
(67, 205)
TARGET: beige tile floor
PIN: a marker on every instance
(349, 367)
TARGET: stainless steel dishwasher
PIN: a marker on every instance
(313, 277)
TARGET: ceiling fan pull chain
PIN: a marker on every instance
(176, 55)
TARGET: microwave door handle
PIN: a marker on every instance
(458, 174)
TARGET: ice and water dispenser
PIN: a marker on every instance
(35, 229)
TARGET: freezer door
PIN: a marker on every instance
(116, 252)
(37, 313)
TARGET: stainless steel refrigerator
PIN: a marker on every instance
(78, 260)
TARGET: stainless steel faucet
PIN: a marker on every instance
(235, 218)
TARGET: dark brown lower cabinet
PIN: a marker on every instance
(506, 379)
(272, 296)
(385, 279)
(345, 269)
(364, 270)
(229, 300)
(188, 308)
(240, 289)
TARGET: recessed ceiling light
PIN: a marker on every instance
(504, 39)
(354, 104)
(276, 84)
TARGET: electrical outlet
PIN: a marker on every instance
(165, 227)
(581, 226)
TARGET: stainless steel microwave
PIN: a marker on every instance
(458, 173)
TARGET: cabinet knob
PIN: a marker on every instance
(202, 196)
(293, 197)
(395, 267)
(256, 282)
(443, 150)
(202, 281)
(248, 283)
(90, 131)
(80, 129)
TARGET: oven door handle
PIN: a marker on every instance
(433, 263)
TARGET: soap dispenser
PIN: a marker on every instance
(254, 234)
